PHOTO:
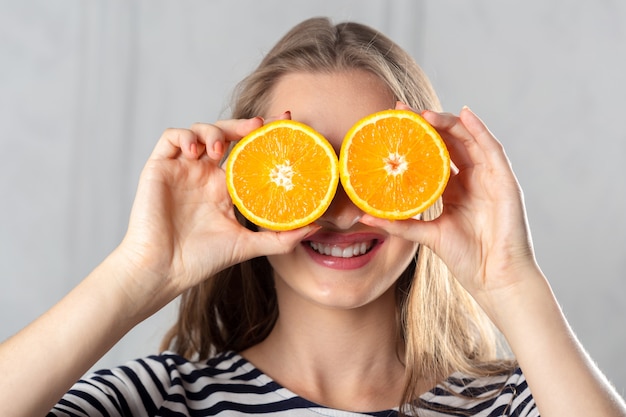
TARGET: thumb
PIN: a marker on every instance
(276, 243)
(420, 231)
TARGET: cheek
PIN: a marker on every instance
(288, 264)
(399, 254)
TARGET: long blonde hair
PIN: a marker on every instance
(442, 328)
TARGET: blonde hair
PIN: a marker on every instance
(442, 328)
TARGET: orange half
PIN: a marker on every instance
(393, 164)
(283, 175)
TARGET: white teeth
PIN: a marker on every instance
(336, 251)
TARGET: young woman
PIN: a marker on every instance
(271, 325)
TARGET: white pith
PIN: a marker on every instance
(395, 164)
(282, 174)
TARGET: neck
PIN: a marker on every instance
(342, 358)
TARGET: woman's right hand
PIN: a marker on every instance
(183, 227)
(182, 230)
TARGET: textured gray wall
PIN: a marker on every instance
(87, 87)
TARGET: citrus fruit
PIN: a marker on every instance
(283, 175)
(393, 164)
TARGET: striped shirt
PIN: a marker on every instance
(229, 385)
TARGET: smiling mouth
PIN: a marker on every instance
(350, 251)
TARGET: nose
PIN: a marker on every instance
(342, 214)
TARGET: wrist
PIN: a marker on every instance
(526, 291)
(525, 309)
(136, 289)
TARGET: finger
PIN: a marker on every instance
(174, 142)
(286, 115)
(419, 231)
(235, 129)
(492, 148)
(202, 137)
(463, 148)
(402, 106)
(454, 153)
(229, 131)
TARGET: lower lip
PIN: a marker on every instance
(345, 264)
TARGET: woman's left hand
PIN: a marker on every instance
(483, 237)
(482, 234)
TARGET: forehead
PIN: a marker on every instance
(329, 102)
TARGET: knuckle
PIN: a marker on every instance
(208, 132)
(176, 134)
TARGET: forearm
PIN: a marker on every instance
(563, 379)
(40, 363)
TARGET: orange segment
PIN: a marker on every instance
(283, 175)
(393, 164)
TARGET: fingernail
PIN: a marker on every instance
(403, 106)
(313, 229)
(218, 148)
(193, 149)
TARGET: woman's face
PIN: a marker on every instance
(345, 264)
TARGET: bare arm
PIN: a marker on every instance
(40, 363)
(561, 375)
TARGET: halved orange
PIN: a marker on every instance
(283, 175)
(393, 164)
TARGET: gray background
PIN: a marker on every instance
(87, 87)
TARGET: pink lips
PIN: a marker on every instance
(343, 251)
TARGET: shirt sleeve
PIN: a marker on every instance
(505, 395)
(135, 389)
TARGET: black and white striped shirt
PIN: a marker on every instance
(228, 385)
